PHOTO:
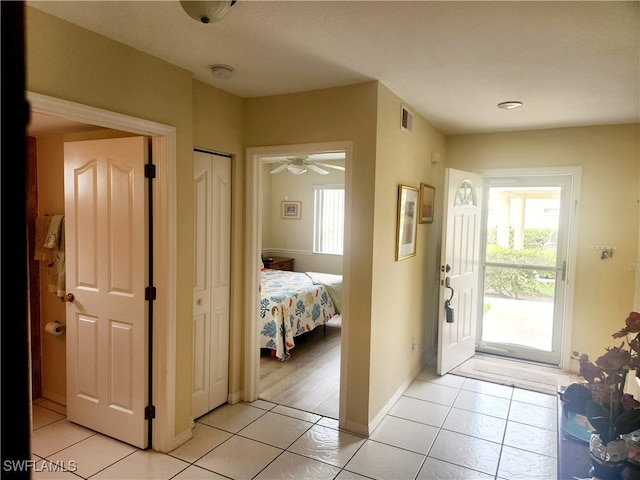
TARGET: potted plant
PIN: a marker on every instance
(610, 411)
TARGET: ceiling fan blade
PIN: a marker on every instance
(317, 169)
(296, 170)
(276, 159)
(337, 167)
(279, 169)
(327, 156)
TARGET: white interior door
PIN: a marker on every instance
(460, 267)
(212, 237)
(106, 265)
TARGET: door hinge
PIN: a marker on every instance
(150, 293)
(149, 170)
(149, 412)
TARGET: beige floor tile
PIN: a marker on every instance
(434, 469)
(295, 467)
(465, 451)
(239, 458)
(205, 438)
(327, 445)
(276, 430)
(94, 454)
(413, 436)
(57, 436)
(384, 462)
(42, 416)
(197, 473)
(143, 465)
(232, 418)
(420, 411)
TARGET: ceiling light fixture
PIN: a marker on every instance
(207, 11)
(510, 105)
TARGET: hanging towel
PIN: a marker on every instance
(62, 278)
(53, 234)
(42, 229)
(54, 252)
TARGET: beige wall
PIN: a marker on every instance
(404, 293)
(338, 114)
(608, 212)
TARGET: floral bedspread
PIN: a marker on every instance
(290, 304)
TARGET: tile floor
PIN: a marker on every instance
(441, 428)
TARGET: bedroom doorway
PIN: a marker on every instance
(309, 378)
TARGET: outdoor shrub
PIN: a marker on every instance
(518, 283)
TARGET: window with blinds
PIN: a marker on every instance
(328, 222)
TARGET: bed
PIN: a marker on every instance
(293, 303)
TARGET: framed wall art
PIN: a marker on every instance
(427, 198)
(291, 210)
(407, 225)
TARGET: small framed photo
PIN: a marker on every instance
(291, 210)
(427, 198)
(408, 198)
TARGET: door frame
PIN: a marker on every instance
(253, 205)
(575, 172)
(164, 254)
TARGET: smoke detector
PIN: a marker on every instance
(221, 71)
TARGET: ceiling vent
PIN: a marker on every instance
(406, 120)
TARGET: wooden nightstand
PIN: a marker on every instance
(278, 263)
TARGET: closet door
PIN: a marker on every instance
(212, 253)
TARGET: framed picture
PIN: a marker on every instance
(427, 196)
(291, 209)
(408, 201)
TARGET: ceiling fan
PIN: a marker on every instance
(302, 163)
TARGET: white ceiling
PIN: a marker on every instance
(571, 63)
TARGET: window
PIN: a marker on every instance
(328, 221)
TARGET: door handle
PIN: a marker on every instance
(448, 309)
(447, 284)
(69, 297)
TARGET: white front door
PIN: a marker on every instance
(106, 272)
(211, 256)
(459, 270)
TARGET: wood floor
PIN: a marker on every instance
(310, 379)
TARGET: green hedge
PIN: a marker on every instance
(518, 283)
(533, 237)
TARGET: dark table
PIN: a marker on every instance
(573, 454)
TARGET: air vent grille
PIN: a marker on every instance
(406, 120)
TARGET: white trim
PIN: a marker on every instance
(254, 247)
(575, 172)
(165, 438)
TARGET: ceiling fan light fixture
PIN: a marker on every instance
(510, 105)
(296, 170)
(207, 11)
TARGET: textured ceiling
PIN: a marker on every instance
(570, 63)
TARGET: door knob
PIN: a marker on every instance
(68, 298)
